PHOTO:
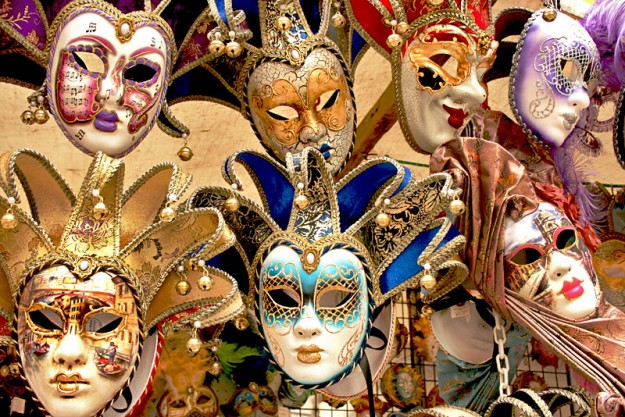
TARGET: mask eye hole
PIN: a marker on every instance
(88, 61)
(203, 399)
(285, 297)
(570, 70)
(101, 323)
(327, 100)
(334, 298)
(177, 404)
(565, 238)
(46, 319)
(283, 113)
(526, 255)
(140, 73)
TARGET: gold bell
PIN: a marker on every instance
(41, 116)
(167, 214)
(241, 323)
(402, 27)
(550, 15)
(233, 49)
(338, 20)
(185, 153)
(183, 287)
(215, 367)
(456, 207)
(426, 311)
(194, 345)
(301, 201)
(284, 23)
(428, 281)
(232, 204)
(28, 118)
(394, 40)
(382, 219)
(205, 283)
(99, 211)
(8, 221)
(216, 47)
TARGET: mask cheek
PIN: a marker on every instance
(75, 93)
(335, 117)
(139, 103)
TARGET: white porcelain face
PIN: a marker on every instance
(107, 80)
(558, 69)
(297, 107)
(547, 262)
(78, 340)
(441, 84)
(315, 323)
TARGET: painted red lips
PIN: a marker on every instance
(572, 289)
(456, 116)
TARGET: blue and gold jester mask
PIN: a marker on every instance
(324, 258)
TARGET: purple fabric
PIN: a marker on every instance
(24, 17)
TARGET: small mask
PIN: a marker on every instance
(547, 261)
(314, 320)
(107, 77)
(78, 340)
(556, 68)
(293, 107)
(441, 78)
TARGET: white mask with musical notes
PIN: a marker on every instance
(106, 78)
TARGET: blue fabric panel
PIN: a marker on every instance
(250, 7)
(230, 262)
(199, 82)
(355, 196)
(274, 185)
(405, 265)
(357, 44)
(405, 181)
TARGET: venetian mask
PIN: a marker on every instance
(441, 83)
(307, 106)
(556, 68)
(313, 313)
(195, 401)
(547, 261)
(248, 401)
(107, 77)
(78, 340)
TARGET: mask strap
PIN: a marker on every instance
(126, 395)
(366, 371)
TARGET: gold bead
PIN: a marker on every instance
(382, 219)
(394, 40)
(185, 153)
(338, 20)
(194, 345)
(214, 368)
(8, 221)
(232, 204)
(205, 283)
(99, 211)
(550, 15)
(41, 116)
(301, 201)
(233, 49)
(216, 47)
(183, 287)
(167, 215)
(284, 23)
(456, 207)
(241, 323)
(428, 281)
(427, 311)
(402, 27)
(28, 118)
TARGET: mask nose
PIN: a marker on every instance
(469, 92)
(71, 350)
(308, 325)
(579, 98)
(111, 88)
(559, 266)
(313, 130)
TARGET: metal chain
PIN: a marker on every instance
(503, 366)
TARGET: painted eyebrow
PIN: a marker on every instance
(147, 50)
(109, 46)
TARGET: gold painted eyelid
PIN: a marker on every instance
(101, 336)
(37, 329)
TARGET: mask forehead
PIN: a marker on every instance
(106, 78)
(78, 339)
(310, 105)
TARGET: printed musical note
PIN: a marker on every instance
(80, 134)
(92, 28)
(128, 114)
(153, 42)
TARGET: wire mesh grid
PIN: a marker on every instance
(407, 314)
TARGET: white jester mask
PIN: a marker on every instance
(296, 106)
(107, 76)
(78, 339)
(314, 311)
(441, 83)
(547, 261)
(555, 69)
